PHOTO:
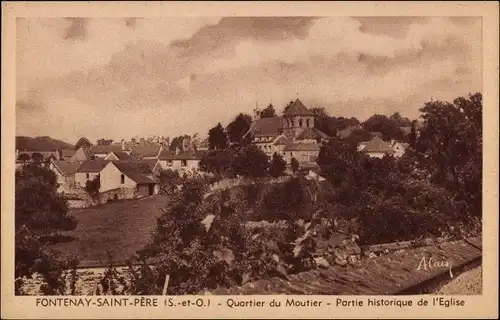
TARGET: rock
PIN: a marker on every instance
(340, 262)
(321, 262)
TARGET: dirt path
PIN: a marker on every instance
(468, 283)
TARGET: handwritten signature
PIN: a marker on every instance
(431, 263)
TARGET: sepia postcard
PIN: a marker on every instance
(249, 160)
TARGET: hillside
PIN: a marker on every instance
(41, 143)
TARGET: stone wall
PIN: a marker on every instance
(117, 194)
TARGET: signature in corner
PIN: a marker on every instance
(430, 263)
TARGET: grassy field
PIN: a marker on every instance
(120, 228)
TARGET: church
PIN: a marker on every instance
(293, 135)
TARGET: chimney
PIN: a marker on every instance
(177, 150)
(123, 145)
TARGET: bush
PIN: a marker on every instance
(277, 166)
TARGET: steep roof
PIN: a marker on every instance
(298, 109)
(67, 153)
(378, 145)
(300, 146)
(182, 155)
(150, 163)
(282, 140)
(121, 155)
(66, 167)
(146, 149)
(100, 149)
(312, 133)
(270, 126)
(134, 170)
(92, 166)
(82, 154)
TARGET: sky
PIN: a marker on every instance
(116, 78)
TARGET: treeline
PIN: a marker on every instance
(40, 144)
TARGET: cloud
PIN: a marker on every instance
(179, 75)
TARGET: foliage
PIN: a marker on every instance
(277, 166)
(450, 147)
(217, 161)
(37, 157)
(217, 138)
(250, 161)
(294, 164)
(331, 125)
(238, 127)
(24, 157)
(92, 186)
(83, 142)
(169, 180)
(39, 213)
(177, 142)
(389, 127)
(268, 112)
(104, 142)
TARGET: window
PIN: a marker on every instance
(308, 123)
(301, 123)
(184, 163)
(122, 179)
(170, 163)
(88, 176)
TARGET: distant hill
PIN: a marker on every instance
(41, 144)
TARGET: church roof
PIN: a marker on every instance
(312, 133)
(266, 127)
(298, 109)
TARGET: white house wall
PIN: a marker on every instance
(111, 179)
(176, 165)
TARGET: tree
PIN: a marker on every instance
(37, 157)
(268, 112)
(218, 162)
(413, 134)
(277, 166)
(169, 180)
(24, 157)
(104, 142)
(383, 124)
(294, 164)
(250, 161)
(450, 147)
(177, 142)
(217, 138)
(399, 120)
(83, 142)
(238, 127)
(288, 106)
(40, 213)
(92, 186)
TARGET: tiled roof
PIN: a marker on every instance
(146, 149)
(298, 109)
(150, 163)
(270, 126)
(281, 140)
(67, 153)
(312, 133)
(134, 170)
(378, 145)
(182, 155)
(101, 149)
(67, 167)
(302, 147)
(121, 155)
(92, 165)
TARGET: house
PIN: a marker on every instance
(180, 160)
(82, 154)
(399, 148)
(101, 151)
(126, 175)
(65, 172)
(143, 149)
(66, 154)
(117, 155)
(376, 147)
(292, 135)
(203, 145)
(88, 170)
